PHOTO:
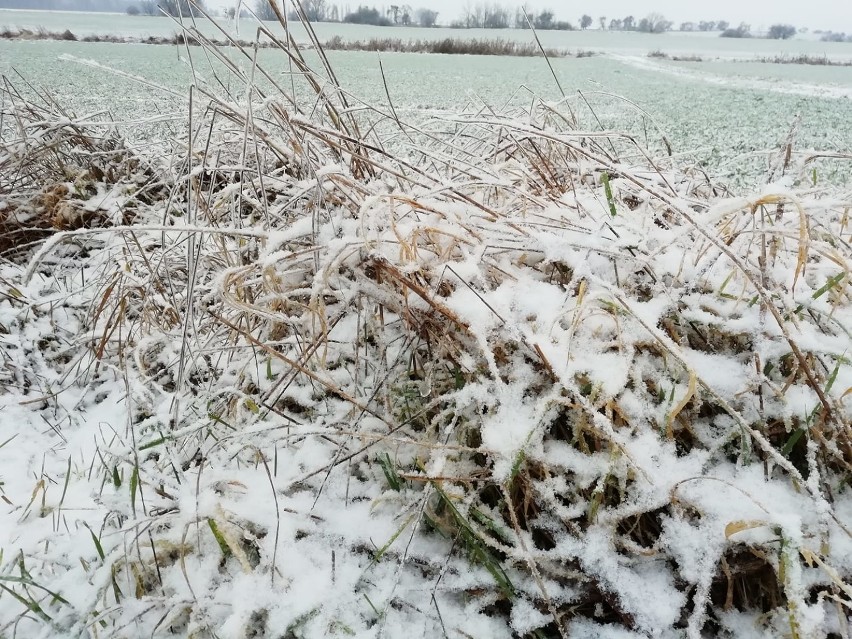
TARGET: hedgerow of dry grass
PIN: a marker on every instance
(58, 175)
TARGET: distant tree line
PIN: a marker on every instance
(370, 15)
(742, 31)
(704, 25)
(395, 15)
(652, 23)
(831, 36)
(315, 10)
(322, 11)
(496, 16)
(483, 15)
(781, 32)
(544, 21)
(775, 32)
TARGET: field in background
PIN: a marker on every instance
(723, 115)
(627, 43)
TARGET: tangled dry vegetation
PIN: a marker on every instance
(509, 378)
(56, 174)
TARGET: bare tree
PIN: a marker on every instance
(602, 21)
(485, 16)
(427, 17)
(315, 10)
(585, 22)
(781, 31)
(654, 23)
(520, 21)
(264, 10)
(178, 8)
(495, 16)
(742, 31)
(468, 15)
(544, 20)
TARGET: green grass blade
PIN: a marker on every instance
(608, 190)
(389, 470)
(30, 604)
(134, 484)
(97, 541)
(830, 284)
(791, 443)
(220, 538)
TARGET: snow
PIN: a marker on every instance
(787, 88)
(459, 404)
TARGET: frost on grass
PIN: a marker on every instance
(512, 379)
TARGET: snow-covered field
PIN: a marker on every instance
(725, 116)
(626, 43)
(442, 360)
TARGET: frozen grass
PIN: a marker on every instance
(512, 379)
(813, 60)
(7, 33)
(61, 176)
(802, 58)
(662, 55)
(38, 34)
(494, 46)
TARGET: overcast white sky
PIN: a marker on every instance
(835, 15)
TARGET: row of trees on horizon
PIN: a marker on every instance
(482, 15)
(497, 16)
(479, 16)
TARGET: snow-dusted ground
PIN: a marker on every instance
(685, 72)
(515, 378)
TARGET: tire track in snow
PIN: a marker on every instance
(734, 82)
